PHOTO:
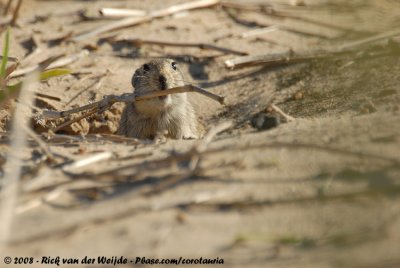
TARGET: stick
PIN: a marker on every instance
(12, 59)
(7, 8)
(138, 42)
(272, 59)
(109, 100)
(121, 12)
(16, 11)
(127, 22)
(289, 57)
(74, 120)
(369, 40)
(282, 113)
(182, 89)
(203, 144)
(87, 161)
(259, 31)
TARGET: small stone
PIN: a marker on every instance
(263, 121)
(298, 95)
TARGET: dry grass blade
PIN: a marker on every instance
(98, 78)
(9, 189)
(131, 21)
(87, 161)
(51, 63)
(184, 7)
(139, 42)
(260, 31)
(121, 12)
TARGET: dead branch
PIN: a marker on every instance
(7, 7)
(139, 42)
(109, 100)
(12, 59)
(16, 12)
(272, 59)
(290, 57)
(260, 31)
(368, 40)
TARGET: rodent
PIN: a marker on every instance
(172, 116)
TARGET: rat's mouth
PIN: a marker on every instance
(163, 86)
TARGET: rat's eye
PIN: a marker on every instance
(173, 64)
(146, 67)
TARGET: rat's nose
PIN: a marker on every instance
(163, 82)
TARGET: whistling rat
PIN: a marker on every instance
(172, 115)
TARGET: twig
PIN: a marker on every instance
(283, 25)
(285, 15)
(368, 40)
(290, 57)
(282, 113)
(41, 143)
(182, 89)
(260, 31)
(7, 8)
(121, 12)
(9, 58)
(127, 22)
(272, 59)
(74, 120)
(87, 161)
(16, 11)
(244, 6)
(98, 77)
(46, 96)
(203, 144)
(243, 204)
(109, 100)
(139, 42)
(9, 182)
(68, 139)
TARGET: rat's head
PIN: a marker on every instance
(157, 75)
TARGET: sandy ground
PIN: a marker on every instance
(319, 191)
